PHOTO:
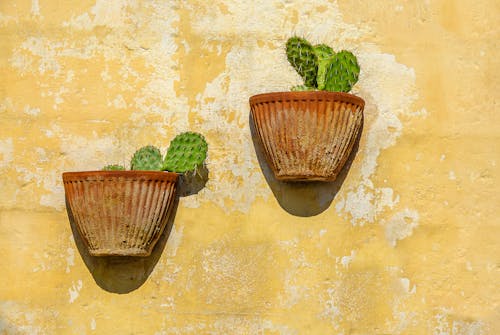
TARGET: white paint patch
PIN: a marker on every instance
(346, 260)
(451, 175)
(80, 22)
(74, 290)
(365, 203)
(35, 8)
(21, 319)
(405, 282)
(421, 113)
(43, 262)
(70, 259)
(93, 324)
(400, 226)
(331, 308)
(295, 292)
(108, 13)
(174, 240)
(32, 111)
(6, 152)
(118, 102)
(169, 302)
(460, 327)
(41, 155)
(445, 326)
(269, 326)
(442, 158)
(69, 76)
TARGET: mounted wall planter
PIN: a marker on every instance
(307, 135)
(121, 213)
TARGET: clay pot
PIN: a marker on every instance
(309, 135)
(120, 213)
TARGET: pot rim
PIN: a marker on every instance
(306, 95)
(129, 174)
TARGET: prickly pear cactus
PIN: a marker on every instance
(324, 54)
(186, 153)
(342, 72)
(113, 167)
(147, 158)
(320, 67)
(301, 55)
(302, 88)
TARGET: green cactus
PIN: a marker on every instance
(147, 158)
(301, 55)
(322, 68)
(342, 72)
(302, 88)
(324, 54)
(113, 167)
(187, 152)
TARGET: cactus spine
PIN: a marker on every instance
(187, 152)
(320, 67)
(147, 158)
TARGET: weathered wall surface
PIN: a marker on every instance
(408, 243)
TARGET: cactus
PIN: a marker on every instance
(342, 72)
(302, 88)
(147, 158)
(320, 67)
(113, 167)
(186, 153)
(301, 55)
(324, 54)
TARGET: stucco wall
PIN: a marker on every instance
(407, 243)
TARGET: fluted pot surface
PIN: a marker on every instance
(308, 135)
(120, 213)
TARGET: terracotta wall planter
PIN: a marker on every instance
(307, 135)
(120, 212)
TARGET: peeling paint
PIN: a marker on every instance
(74, 290)
(400, 226)
(346, 260)
(70, 259)
(6, 152)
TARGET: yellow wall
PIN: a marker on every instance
(408, 244)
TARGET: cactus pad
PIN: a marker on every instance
(113, 167)
(187, 152)
(301, 55)
(302, 88)
(342, 72)
(324, 54)
(147, 158)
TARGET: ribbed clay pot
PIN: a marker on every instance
(307, 135)
(120, 213)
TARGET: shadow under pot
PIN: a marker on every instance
(120, 213)
(308, 135)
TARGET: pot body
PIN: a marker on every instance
(120, 213)
(307, 136)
